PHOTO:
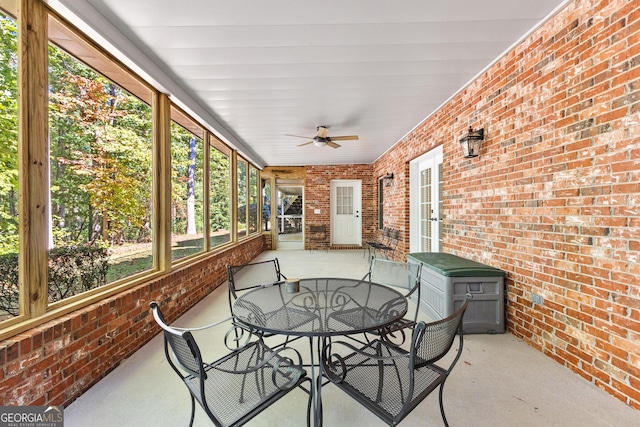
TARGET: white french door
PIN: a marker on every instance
(346, 212)
(426, 202)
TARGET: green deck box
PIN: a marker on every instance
(446, 279)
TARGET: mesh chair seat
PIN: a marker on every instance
(365, 379)
(237, 387)
(232, 394)
(389, 380)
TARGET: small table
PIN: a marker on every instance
(323, 307)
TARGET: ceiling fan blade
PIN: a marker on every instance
(344, 138)
(306, 143)
(333, 144)
(298, 136)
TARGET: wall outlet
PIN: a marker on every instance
(316, 211)
(537, 299)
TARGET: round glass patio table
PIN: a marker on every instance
(322, 307)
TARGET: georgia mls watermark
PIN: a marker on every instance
(31, 416)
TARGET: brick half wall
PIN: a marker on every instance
(54, 363)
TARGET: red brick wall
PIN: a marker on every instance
(56, 362)
(317, 189)
(554, 197)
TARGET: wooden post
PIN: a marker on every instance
(162, 182)
(206, 204)
(33, 133)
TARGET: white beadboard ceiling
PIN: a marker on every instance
(255, 70)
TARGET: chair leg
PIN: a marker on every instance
(444, 418)
(193, 411)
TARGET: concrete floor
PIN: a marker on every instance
(499, 380)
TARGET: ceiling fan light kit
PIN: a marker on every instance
(319, 142)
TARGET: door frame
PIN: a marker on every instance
(434, 156)
(357, 183)
(288, 244)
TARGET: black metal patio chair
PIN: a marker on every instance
(244, 277)
(388, 247)
(389, 380)
(374, 245)
(235, 388)
(318, 235)
(402, 275)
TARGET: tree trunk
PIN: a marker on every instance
(191, 200)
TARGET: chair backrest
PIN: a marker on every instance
(384, 236)
(185, 350)
(394, 273)
(253, 275)
(318, 232)
(431, 341)
(394, 236)
(397, 274)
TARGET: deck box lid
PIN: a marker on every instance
(454, 266)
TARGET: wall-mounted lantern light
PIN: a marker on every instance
(471, 142)
(387, 179)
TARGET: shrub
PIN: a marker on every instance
(9, 284)
(72, 270)
(76, 269)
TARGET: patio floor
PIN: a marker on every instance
(499, 380)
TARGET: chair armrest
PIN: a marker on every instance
(200, 328)
(235, 333)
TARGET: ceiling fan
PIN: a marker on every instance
(322, 140)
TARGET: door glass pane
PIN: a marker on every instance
(344, 200)
(439, 236)
(380, 204)
(425, 210)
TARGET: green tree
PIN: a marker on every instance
(219, 187)
(101, 145)
(8, 136)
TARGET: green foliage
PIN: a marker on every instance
(9, 284)
(101, 155)
(8, 135)
(72, 270)
(180, 147)
(101, 166)
(76, 269)
(219, 198)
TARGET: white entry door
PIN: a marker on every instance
(426, 202)
(346, 212)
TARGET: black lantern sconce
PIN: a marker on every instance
(387, 179)
(471, 142)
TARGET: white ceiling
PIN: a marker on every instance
(256, 70)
